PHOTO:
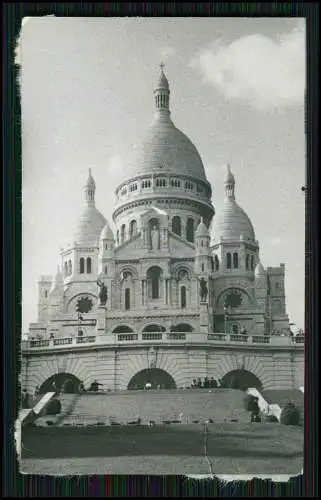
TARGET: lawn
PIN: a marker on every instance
(232, 448)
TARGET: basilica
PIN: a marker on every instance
(167, 262)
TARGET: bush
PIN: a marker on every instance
(54, 407)
(290, 414)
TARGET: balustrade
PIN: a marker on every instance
(189, 337)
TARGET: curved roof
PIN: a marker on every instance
(259, 270)
(107, 233)
(201, 230)
(90, 225)
(232, 223)
(166, 149)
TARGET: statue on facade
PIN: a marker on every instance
(154, 236)
(203, 290)
(102, 292)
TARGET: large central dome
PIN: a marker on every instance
(165, 148)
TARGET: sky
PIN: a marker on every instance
(237, 91)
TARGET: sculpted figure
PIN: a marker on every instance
(102, 293)
(203, 290)
(155, 238)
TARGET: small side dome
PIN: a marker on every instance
(259, 270)
(201, 230)
(107, 233)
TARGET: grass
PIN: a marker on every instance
(232, 448)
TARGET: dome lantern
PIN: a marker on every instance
(229, 184)
(161, 94)
(90, 189)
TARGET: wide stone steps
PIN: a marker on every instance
(220, 405)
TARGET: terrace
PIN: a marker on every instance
(167, 338)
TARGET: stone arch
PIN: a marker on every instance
(122, 329)
(154, 327)
(182, 327)
(53, 365)
(74, 299)
(65, 382)
(156, 376)
(241, 379)
(129, 269)
(240, 289)
(178, 268)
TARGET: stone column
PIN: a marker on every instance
(101, 320)
(203, 317)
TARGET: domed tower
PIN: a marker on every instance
(106, 252)
(56, 299)
(80, 259)
(165, 173)
(261, 285)
(235, 247)
(203, 258)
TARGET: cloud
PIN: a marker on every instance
(264, 73)
(166, 52)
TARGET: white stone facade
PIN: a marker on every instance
(152, 264)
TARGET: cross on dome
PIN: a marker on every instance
(162, 66)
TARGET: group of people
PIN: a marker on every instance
(208, 383)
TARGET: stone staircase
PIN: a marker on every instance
(187, 406)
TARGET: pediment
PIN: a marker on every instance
(131, 248)
(156, 213)
(180, 248)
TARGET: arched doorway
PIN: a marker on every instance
(122, 329)
(154, 328)
(154, 376)
(181, 327)
(242, 380)
(65, 382)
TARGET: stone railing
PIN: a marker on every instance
(159, 337)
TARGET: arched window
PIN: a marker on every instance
(117, 237)
(217, 263)
(190, 230)
(247, 265)
(82, 265)
(66, 268)
(106, 246)
(228, 261)
(235, 329)
(153, 276)
(202, 268)
(252, 262)
(235, 260)
(132, 228)
(46, 294)
(177, 225)
(183, 297)
(127, 298)
(69, 267)
(106, 269)
(88, 265)
(202, 243)
(122, 233)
